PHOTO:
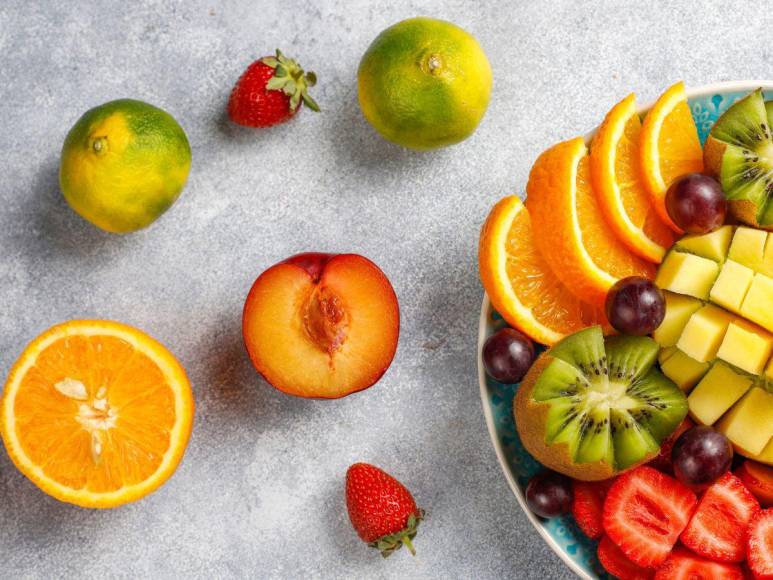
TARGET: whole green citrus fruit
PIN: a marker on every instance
(124, 164)
(424, 83)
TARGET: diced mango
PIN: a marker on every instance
(712, 246)
(767, 454)
(748, 247)
(683, 370)
(716, 393)
(758, 304)
(746, 346)
(732, 285)
(767, 260)
(749, 424)
(704, 333)
(665, 354)
(769, 371)
(687, 274)
(679, 308)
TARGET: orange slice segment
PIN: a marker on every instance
(670, 147)
(569, 228)
(520, 284)
(96, 413)
(617, 182)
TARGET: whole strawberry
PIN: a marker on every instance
(383, 512)
(270, 92)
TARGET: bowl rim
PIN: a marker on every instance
(485, 311)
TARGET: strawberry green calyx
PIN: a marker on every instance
(389, 544)
(290, 78)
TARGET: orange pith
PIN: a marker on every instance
(96, 413)
(670, 147)
(617, 182)
(322, 338)
(520, 284)
(570, 230)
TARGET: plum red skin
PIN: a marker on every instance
(313, 262)
(635, 306)
(700, 456)
(549, 494)
(508, 355)
(696, 203)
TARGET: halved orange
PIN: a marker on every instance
(520, 284)
(96, 413)
(670, 147)
(569, 228)
(617, 182)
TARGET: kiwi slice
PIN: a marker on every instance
(739, 150)
(591, 407)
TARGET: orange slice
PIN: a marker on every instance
(670, 147)
(96, 413)
(569, 229)
(520, 284)
(617, 182)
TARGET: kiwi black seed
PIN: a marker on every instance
(592, 407)
(739, 150)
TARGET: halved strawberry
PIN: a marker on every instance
(759, 550)
(684, 565)
(759, 479)
(588, 505)
(644, 513)
(615, 562)
(662, 460)
(717, 529)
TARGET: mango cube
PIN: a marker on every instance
(665, 354)
(767, 454)
(748, 247)
(716, 393)
(679, 308)
(704, 333)
(769, 371)
(749, 424)
(767, 260)
(712, 246)
(687, 274)
(746, 346)
(683, 370)
(758, 304)
(732, 285)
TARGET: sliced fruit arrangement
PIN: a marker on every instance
(739, 150)
(669, 147)
(615, 163)
(591, 408)
(574, 238)
(321, 325)
(717, 333)
(96, 413)
(519, 282)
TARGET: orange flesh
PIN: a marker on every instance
(537, 287)
(117, 436)
(606, 251)
(680, 150)
(325, 338)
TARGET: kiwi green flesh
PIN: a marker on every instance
(747, 162)
(618, 417)
(583, 349)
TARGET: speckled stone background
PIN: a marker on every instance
(259, 493)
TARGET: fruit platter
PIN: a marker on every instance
(625, 352)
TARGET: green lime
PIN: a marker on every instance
(124, 164)
(424, 83)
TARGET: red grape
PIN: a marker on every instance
(549, 494)
(701, 455)
(696, 203)
(507, 355)
(635, 306)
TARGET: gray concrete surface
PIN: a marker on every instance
(259, 493)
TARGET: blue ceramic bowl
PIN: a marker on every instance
(578, 552)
